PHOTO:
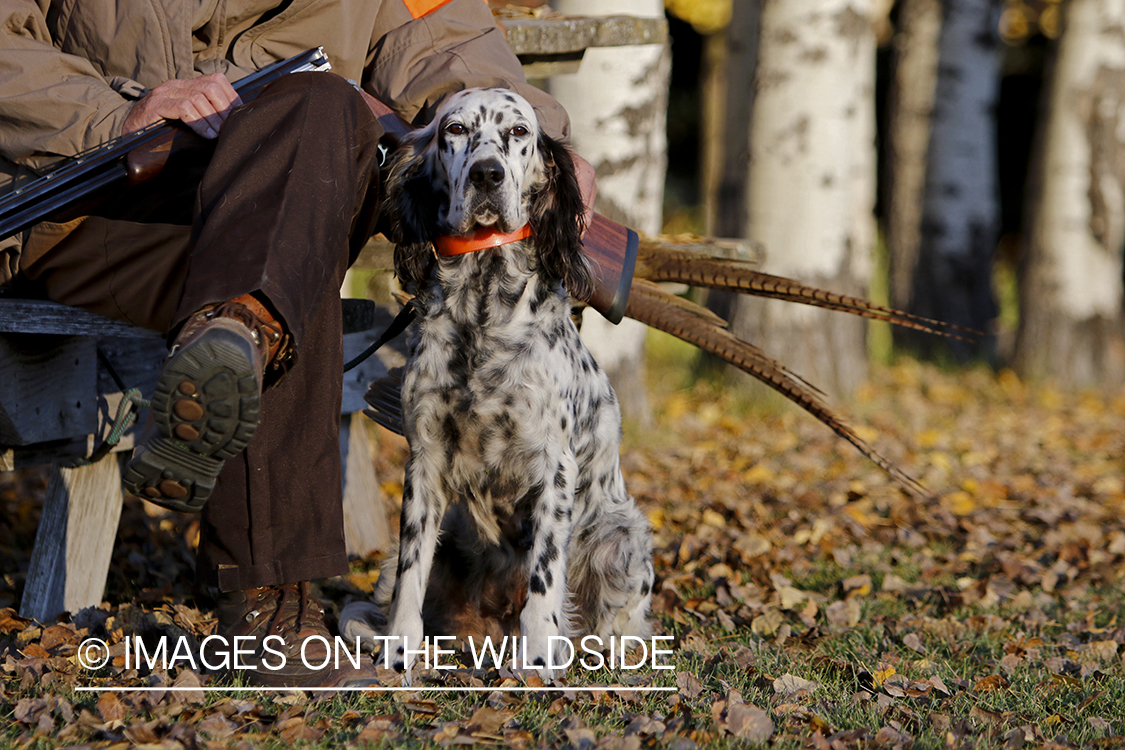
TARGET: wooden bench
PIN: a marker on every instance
(58, 404)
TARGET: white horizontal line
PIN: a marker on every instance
(377, 689)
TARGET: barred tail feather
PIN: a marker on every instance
(664, 311)
(701, 270)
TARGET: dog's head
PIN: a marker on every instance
(484, 162)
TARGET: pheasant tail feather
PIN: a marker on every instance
(664, 311)
(697, 269)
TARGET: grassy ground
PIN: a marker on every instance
(810, 603)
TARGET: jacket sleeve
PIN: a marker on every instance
(51, 104)
(417, 63)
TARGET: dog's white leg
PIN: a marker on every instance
(423, 506)
(543, 617)
(611, 572)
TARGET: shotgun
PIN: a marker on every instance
(73, 188)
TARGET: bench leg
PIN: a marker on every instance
(365, 517)
(75, 540)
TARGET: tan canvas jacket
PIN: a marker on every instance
(70, 70)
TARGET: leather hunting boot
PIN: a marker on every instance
(301, 642)
(206, 404)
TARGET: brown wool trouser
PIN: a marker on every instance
(282, 208)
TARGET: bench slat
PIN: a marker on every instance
(46, 317)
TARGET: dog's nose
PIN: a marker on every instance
(487, 173)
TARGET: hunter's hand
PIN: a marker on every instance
(586, 184)
(200, 103)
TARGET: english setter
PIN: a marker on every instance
(514, 509)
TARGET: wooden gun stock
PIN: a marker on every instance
(147, 161)
(611, 250)
(609, 247)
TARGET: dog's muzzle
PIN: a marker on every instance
(487, 196)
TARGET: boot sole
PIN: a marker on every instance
(206, 407)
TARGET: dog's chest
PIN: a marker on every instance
(496, 381)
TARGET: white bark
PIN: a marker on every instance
(1071, 302)
(617, 103)
(812, 180)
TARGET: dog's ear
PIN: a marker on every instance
(412, 202)
(558, 219)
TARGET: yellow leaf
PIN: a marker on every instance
(766, 623)
(866, 433)
(860, 516)
(757, 474)
(942, 461)
(881, 675)
(959, 503)
(711, 518)
(786, 443)
(656, 519)
(928, 438)
(790, 597)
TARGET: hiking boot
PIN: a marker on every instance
(296, 618)
(206, 404)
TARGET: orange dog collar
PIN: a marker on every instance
(482, 239)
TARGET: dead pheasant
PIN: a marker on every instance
(658, 308)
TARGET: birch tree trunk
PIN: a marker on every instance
(617, 103)
(961, 210)
(812, 181)
(1071, 314)
(911, 108)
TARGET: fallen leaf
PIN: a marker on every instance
(788, 684)
(488, 720)
(188, 679)
(28, 710)
(790, 597)
(110, 707)
(882, 673)
(1102, 651)
(990, 683)
(296, 730)
(888, 737)
(913, 642)
(689, 685)
(986, 716)
(749, 722)
(844, 613)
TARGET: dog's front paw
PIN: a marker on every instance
(402, 644)
(547, 657)
(397, 656)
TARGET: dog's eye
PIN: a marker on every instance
(518, 130)
(455, 128)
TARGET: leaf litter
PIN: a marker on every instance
(810, 603)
